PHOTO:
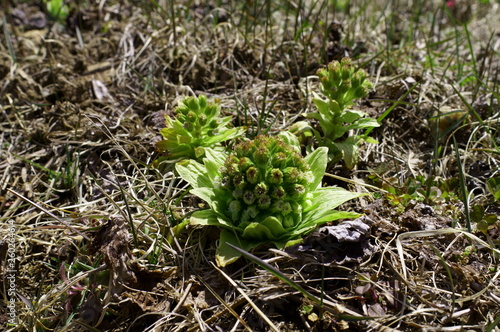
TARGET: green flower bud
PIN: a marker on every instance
(244, 164)
(298, 190)
(332, 67)
(296, 208)
(279, 159)
(252, 211)
(279, 192)
(239, 181)
(192, 103)
(244, 149)
(288, 221)
(357, 78)
(232, 169)
(213, 124)
(261, 156)
(232, 159)
(231, 165)
(325, 80)
(212, 110)
(291, 174)
(249, 214)
(235, 209)
(252, 174)
(181, 110)
(282, 207)
(191, 117)
(263, 140)
(264, 202)
(202, 119)
(238, 193)
(307, 204)
(275, 176)
(202, 101)
(248, 197)
(345, 72)
(261, 189)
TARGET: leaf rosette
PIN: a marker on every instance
(263, 192)
(197, 125)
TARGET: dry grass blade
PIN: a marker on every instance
(254, 306)
(414, 288)
(49, 213)
(418, 234)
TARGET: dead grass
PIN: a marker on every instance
(92, 224)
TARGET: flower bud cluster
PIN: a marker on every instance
(265, 177)
(196, 125)
(198, 116)
(342, 82)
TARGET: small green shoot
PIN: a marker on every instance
(493, 185)
(463, 187)
(196, 126)
(341, 84)
(57, 10)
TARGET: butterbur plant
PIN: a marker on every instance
(196, 125)
(341, 84)
(263, 192)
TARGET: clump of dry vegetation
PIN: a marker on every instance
(96, 236)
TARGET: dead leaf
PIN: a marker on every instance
(344, 243)
(112, 242)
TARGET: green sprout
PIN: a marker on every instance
(196, 126)
(57, 9)
(263, 192)
(341, 84)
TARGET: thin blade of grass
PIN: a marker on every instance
(49, 213)
(469, 106)
(390, 109)
(449, 274)
(254, 306)
(492, 326)
(463, 188)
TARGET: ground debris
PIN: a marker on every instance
(347, 242)
(112, 242)
(82, 101)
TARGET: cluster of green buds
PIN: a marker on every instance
(196, 125)
(343, 82)
(263, 192)
(265, 178)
